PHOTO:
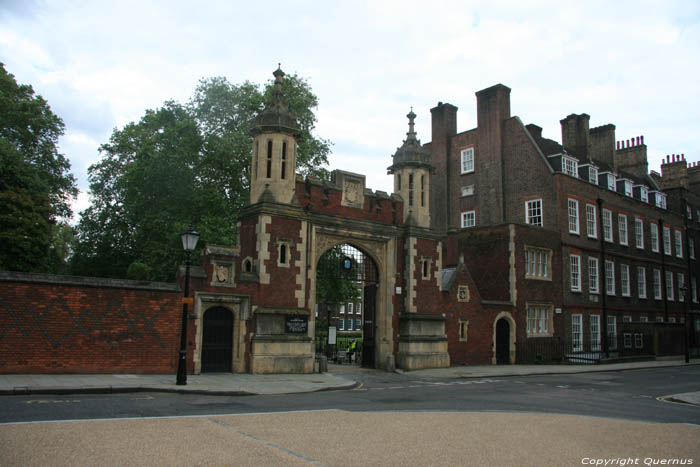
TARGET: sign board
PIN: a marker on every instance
(296, 324)
(331, 335)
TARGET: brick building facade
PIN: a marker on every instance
(496, 245)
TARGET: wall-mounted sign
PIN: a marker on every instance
(296, 324)
(331, 335)
(347, 263)
(398, 290)
(557, 310)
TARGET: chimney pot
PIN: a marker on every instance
(637, 140)
(642, 137)
(618, 145)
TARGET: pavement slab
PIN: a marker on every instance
(341, 438)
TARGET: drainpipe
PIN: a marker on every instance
(687, 286)
(664, 290)
(604, 291)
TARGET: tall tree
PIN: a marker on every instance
(36, 187)
(180, 164)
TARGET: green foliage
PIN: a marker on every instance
(179, 165)
(139, 271)
(36, 187)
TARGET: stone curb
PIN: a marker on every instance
(593, 369)
(25, 391)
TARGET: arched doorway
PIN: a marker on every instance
(217, 340)
(502, 342)
(346, 293)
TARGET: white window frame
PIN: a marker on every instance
(638, 340)
(539, 320)
(628, 188)
(644, 194)
(538, 263)
(358, 309)
(573, 216)
(622, 229)
(667, 240)
(577, 332)
(467, 159)
(625, 280)
(595, 332)
(680, 280)
(639, 232)
(535, 219)
(591, 221)
(607, 225)
(654, 236)
(349, 308)
(468, 219)
(341, 324)
(656, 284)
(593, 175)
(593, 276)
(679, 243)
(569, 166)
(691, 248)
(575, 271)
(641, 282)
(643, 319)
(669, 286)
(660, 200)
(609, 277)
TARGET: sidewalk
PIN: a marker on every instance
(247, 384)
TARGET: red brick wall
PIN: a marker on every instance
(427, 290)
(52, 324)
(477, 349)
(327, 200)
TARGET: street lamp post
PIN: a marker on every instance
(189, 242)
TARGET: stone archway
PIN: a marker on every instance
(504, 318)
(239, 306)
(382, 250)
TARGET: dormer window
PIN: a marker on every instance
(593, 175)
(644, 194)
(660, 200)
(628, 188)
(611, 182)
(570, 166)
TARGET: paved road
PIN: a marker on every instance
(391, 419)
(628, 395)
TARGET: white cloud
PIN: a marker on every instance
(634, 64)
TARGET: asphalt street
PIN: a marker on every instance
(631, 395)
(390, 419)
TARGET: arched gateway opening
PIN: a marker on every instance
(217, 340)
(346, 296)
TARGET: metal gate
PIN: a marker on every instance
(343, 267)
(502, 342)
(217, 340)
(369, 326)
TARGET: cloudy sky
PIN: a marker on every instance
(101, 64)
